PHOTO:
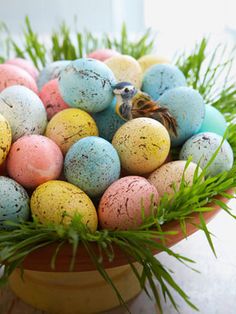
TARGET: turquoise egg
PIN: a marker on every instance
(187, 106)
(14, 202)
(108, 121)
(202, 146)
(160, 78)
(214, 121)
(87, 84)
(92, 164)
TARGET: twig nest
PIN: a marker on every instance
(33, 160)
(168, 177)
(5, 138)
(58, 202)
(148, 61)
(13, 75)
(103, 54)
(126, 69)
(142, 144)
(92, 164)
(160, 78)
(25, 65)
(87, 84)
(69, 126)
(203, 146)
(14, 202)
(126, 203)
(24, 111)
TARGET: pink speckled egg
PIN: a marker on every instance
(33, 160)
(124, 202)
(13, 75)
(103, 54)
(52, 99)
(25, 65)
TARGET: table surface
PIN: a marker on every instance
(213, 290)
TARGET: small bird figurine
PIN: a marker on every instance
(132, 103)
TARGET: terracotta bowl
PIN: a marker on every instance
(40, 259)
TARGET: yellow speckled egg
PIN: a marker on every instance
(58, 201)
(126, 69)
(142, 144)
(69, 126)
(149, 60)
(5, 138)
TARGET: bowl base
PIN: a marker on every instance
(74, 292)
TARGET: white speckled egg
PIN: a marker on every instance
(24, 111)
(14, 202)
(126, 69)
(142, 144)
(202, 147)
(168, 177)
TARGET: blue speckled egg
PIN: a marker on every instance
(51, 72)
(202, 146)
(108, 121)
(214, 121)
(87, 84)
(14, 202)
(160, 78)
(188, 107)
(92, 164)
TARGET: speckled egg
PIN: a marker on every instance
(33, 160)
(125, 202)
(87, 84)
(25, 65)
(69, 126)
(13, 75)
(5, 138)
(51, 72)
(142, 144)
(214, 121)
(92, 164)
(160, 78)
(126, 69)
(103, 54)
(58, 202)
(202, 147)
(14, 202)
(168, 177)
(52, 99)
(188, 107)
(148, 61)
(24, 111)
(108, 121)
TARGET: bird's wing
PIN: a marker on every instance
(140, 100)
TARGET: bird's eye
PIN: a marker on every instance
(126, 90)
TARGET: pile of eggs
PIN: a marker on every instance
(65, 151)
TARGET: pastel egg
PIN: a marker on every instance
(202, 147)
(24, 111)
(126, 69)
(103, 54)
(58, 202)
(148, 61)
(188, 108)
(108, 121)
(92, 164)
(160, 78)
(5, 138)
(87, 84)
(52, 99)
(142, 144)
(69, 126)
(14, 204)
(13, 75)
(214, 121)
(51, 72)
(25, 65)
(168, 177)
(33, 160)
(126, 202)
